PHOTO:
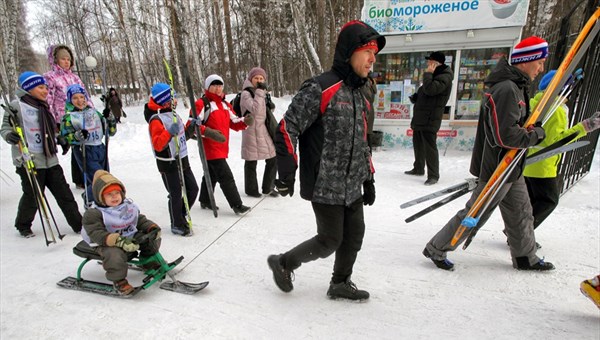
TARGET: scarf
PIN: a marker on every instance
(47, 124)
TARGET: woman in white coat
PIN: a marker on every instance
(257, 143)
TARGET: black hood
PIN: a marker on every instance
(503, 71)
(353, 35)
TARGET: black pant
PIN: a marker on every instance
(177, 210)
(250, 182)
(340, 229)
(76, 172)
(426, 152)
(220, 172)
(54, 179)
(543, 194)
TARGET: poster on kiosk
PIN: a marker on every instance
(473, 35)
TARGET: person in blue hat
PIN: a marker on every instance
(542, 177)
(84, 127)
(165, 126)
(32, 114)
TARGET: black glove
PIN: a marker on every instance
(413, 98)
(62, 141)
(285, 187)
(369, 192)
(262, 86)
(539, 130)
(82, 135)
(106, 112)
(269, 102)
(13, 138)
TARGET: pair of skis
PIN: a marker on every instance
(507, 164)
(469, 185)
(45, 212)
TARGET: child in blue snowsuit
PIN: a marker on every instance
(83, 126)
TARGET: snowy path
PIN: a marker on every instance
(483, 298)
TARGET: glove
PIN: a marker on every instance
(82, 135)
(173, 129)
(413, 98)
(127, 244)
(369, 192)
(591, 123)
(262, 86)
(285, 187)
(539, 130)
(249, 120)
(13, 138)
(214, 134)
(269, 102)
(106, 112)
(62, 141)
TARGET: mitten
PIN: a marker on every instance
(62, 141)
(369, 192)
(214, 134)
(591, 123)
(127, 244)
(285, 188)
(262, 86)
(173, 129)
(249, 120)
(13, 138)
(82, 135)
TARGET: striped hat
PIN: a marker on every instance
(74, 89)
(29, 80)
(529, 49)
(161, 93)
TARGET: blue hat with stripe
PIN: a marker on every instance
(29, 80)
(74, 89)
(161, 93)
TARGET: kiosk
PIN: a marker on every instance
(473, 35)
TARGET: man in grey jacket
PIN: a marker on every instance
(502, 116)
(430, 101)
(327, 118)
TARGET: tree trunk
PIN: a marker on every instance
(230, 50)
(219, 42)
(8, 26)
(312, 59)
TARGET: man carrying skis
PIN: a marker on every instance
(327, 118)
(165, 125)
(500, 128)
(40, 136)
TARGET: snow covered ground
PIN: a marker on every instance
(410, 298)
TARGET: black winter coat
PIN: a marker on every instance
(432, 97)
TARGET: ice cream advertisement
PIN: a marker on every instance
(420, 16)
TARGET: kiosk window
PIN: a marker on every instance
(398, 76)
(475, 65)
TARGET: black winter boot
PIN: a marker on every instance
(282, 276)
(241, 209)
(444, 264)
(346, 290)
(541, 265)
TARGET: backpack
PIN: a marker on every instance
(236, 102)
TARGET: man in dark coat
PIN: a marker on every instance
(502, 116)
(430, 101)
(327, 118)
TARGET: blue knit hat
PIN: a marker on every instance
(74, 89)
(29, 80)
(161, 93)
(546, 79)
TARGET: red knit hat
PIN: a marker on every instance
(529, 49)
(371, 44)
